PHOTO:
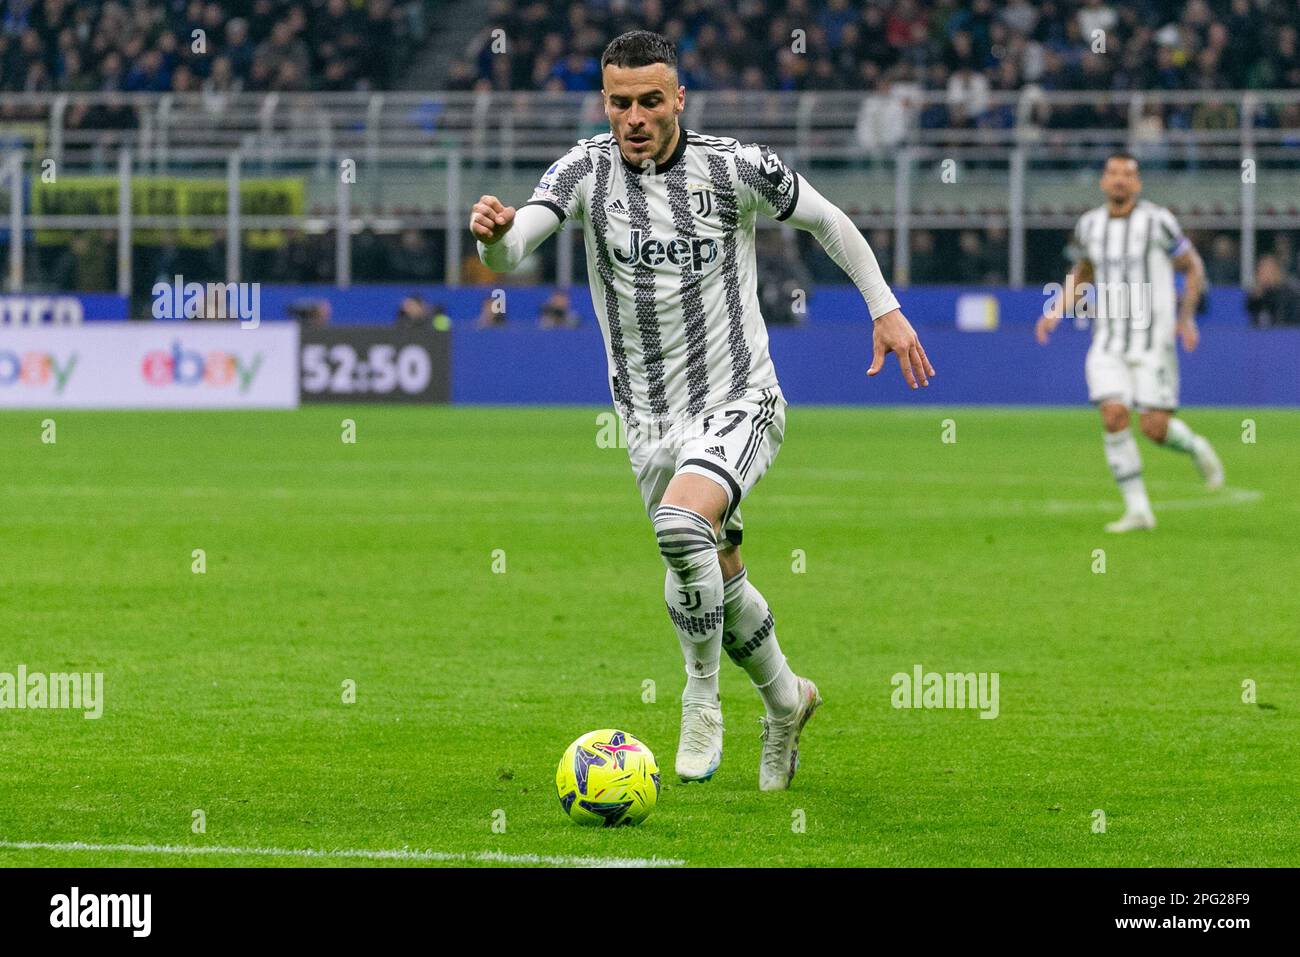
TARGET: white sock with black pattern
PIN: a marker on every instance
(749, 638)
(693, 593)
(1180, 437)
(1126, 465)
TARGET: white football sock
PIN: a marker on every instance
(1126, 465)
(693, 593)
(1180, 437)
(749, 637)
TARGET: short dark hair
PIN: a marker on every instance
(1121, 155)
(639, 48)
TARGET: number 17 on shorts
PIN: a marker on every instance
(734, 444)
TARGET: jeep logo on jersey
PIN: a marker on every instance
(643, 248)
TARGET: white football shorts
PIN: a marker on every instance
(1141, 380)
(733, 444)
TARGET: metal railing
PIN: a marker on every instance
(506, 127)
(421, 157)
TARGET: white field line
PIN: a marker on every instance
(911, 509)
(822, 504)
(402, 854)
(1225, 496)
(1006, 508)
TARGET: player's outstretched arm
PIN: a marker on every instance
(507, 236)
(1189, 262)
(851, 252)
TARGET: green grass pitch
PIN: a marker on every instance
(374, 562)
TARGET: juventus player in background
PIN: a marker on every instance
(668, 219)
(1130, 248)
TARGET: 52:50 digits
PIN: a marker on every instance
(339, 369)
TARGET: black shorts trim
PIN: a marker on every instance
(731, 483)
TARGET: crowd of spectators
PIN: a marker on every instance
(85, 260)
(1275, 298)
(962, 48)
(133, 46)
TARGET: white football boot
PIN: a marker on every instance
(1208, 463)
(1133, 522)
(699, 749)
(780, 758)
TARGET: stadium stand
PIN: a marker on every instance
(965, 47)
(256, 45)
(1025, 98)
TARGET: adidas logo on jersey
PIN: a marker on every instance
(717, 450)
(617, 207)
(643, 248)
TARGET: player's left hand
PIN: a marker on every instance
(1190, 334)
(893, 333)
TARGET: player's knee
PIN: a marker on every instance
(686, 538)
(1114, 418)
(731, 562)
(1155, 427)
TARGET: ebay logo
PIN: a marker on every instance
(217, 369)
(36, 369)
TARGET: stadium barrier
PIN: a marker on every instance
(826, 363)
(374, 364)
(380, 305)
(150, 366)
(61, 309)
(822, 361)
(218, 365)
(825, 360)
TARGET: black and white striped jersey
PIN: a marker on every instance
(1132, 259)
(670, 261)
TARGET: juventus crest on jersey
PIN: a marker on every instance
(670, 261)
(1133, 271)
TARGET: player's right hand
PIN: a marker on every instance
(1045, 326)
(893, 333)
(489, 220)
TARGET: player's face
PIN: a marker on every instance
(1120, 181)
(642, 104)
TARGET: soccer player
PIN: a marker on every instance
(668, 221)
(1128, 249)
